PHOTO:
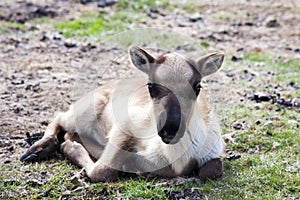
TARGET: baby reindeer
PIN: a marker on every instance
(162, 124)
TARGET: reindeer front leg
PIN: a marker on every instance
(106, 168)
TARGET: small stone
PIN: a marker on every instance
(296, 102)
(260, 96)
(44, 38)
(34, 183)
(18, 82)
(275, 145)
(277, 109)
(229, 137)
(275, 118)
(269, 133)
(107, 3)
(272, 23)
(173, 194)
(196, 17)
(292, 84)
(7, 161)
(233, 156)
(280, 101)
(288, 48)
(261, 181)
(45, 193)
(237, 125)
(69, 44)
(288, 103)
(10, 148)
(249, 24)
(235, 59)
(268, 124)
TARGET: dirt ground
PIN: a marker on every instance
(38, 70)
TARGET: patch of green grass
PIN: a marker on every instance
(144, 5)
(125, 14)
(204, 43)
(6, 26)
(286, 69)
(42, 20)
(93, 24)
(165, 39)
(32, 180)
(189, 6)
(143, 188)
(258, 57)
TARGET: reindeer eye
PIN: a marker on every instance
(150, 88)
(154, 90)
(197, 89)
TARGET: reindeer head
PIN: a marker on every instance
(174, 85)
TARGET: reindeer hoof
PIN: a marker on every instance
(103, 174)
(40, 150)
(29, 157)
(211, 169)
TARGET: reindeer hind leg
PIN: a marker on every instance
(54, 135)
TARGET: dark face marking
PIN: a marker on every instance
(171, 122)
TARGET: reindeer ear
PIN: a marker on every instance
(141, 58)
(210, 63)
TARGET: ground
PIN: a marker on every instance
(52, 52)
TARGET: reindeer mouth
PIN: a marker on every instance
(170, 138)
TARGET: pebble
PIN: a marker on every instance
(296, 102)
(235, 58)
(34, 183)
(268, 124)
(17, 82)
(260, 96)
(233, 156)
(272, 23)
(46, 193)
(275, 118)
(7, 161)
(107, 3)
(70, 44)
(269, 133)
(277, 109)
(196, 17)
(187, 193)
(249, 24)
(237, 125)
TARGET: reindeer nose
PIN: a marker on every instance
(172, 130)
(166, 138)
(163, 133)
